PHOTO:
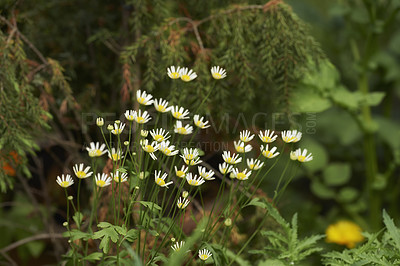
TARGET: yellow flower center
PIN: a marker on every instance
(240, 176)
(266, 139)
(174, 75)
(64, 183)
(189, 156)
(130, 117)
(180, 207)
(160, 182)
(216, 75)
(230, 160)
(223, 170)
(115, 156)
(203, 257)
(193, 182)
(100, 183)
(141, 100)
(301, 158)
(166, 151)
(159, 138)
(117, 178)
(239, 148)
(251, 166)
(267, 154)
(140, 120)
(199, 124)
(185, 78)
(180, 174)
(181, 130)
(160, 108)
(81, 174)
(117, 131)
(177, 114)
(149, 148)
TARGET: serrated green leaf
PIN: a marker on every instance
(394, 232)
(151, 205)
(75, 234)
(104, 225)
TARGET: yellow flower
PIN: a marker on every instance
(344, 233)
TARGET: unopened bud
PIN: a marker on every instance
(144, 133)
(228, 222)
(65, 224)
(100, 121)
(185, 194)
(117, 121)
(70, 198)
(126, 143)
(110, 127)
(173, 239)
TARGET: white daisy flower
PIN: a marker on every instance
(267, 136)
(159, 134)
(182, 172)
(269, 153)
(194, 180)
(102, 180)
(183, 130)
(142, 118)
(130, 115)
(119, 177)
(150, 148)
(289, 136)
(178, 245)
(241, 175)
(161, 105)
(144, 98)
(161, 180)
(302, 156)
(190, 153)
(167, 149)
(182, 203)
(199, 122)
(225, 168)
(95, 150)
(179, 112)
(240, 148)
(193, 162)
(65, 181)
(80, 173)
(174, 73)
(254, 164)
(187, 75)
(204, 254)
(245, 136)
(115, 155)
(218, 72)
(118, 128)
(231, 159)
(206, 175)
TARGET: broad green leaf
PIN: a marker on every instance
(75, 234)
(347, 99)
(337, 174)
(131, 235)
(104, 225)
(321, 190)
(93, 257)
(307, 99)
(375, 98)
(347, 194)
(319, 153)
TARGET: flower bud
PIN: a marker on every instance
(100, 121)
(70, 198)
(117, 122)
(185, 194)
(126, 143)
(173, 239)
(144, 133)
(65, 224)
(110, 127)
(228, 222)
